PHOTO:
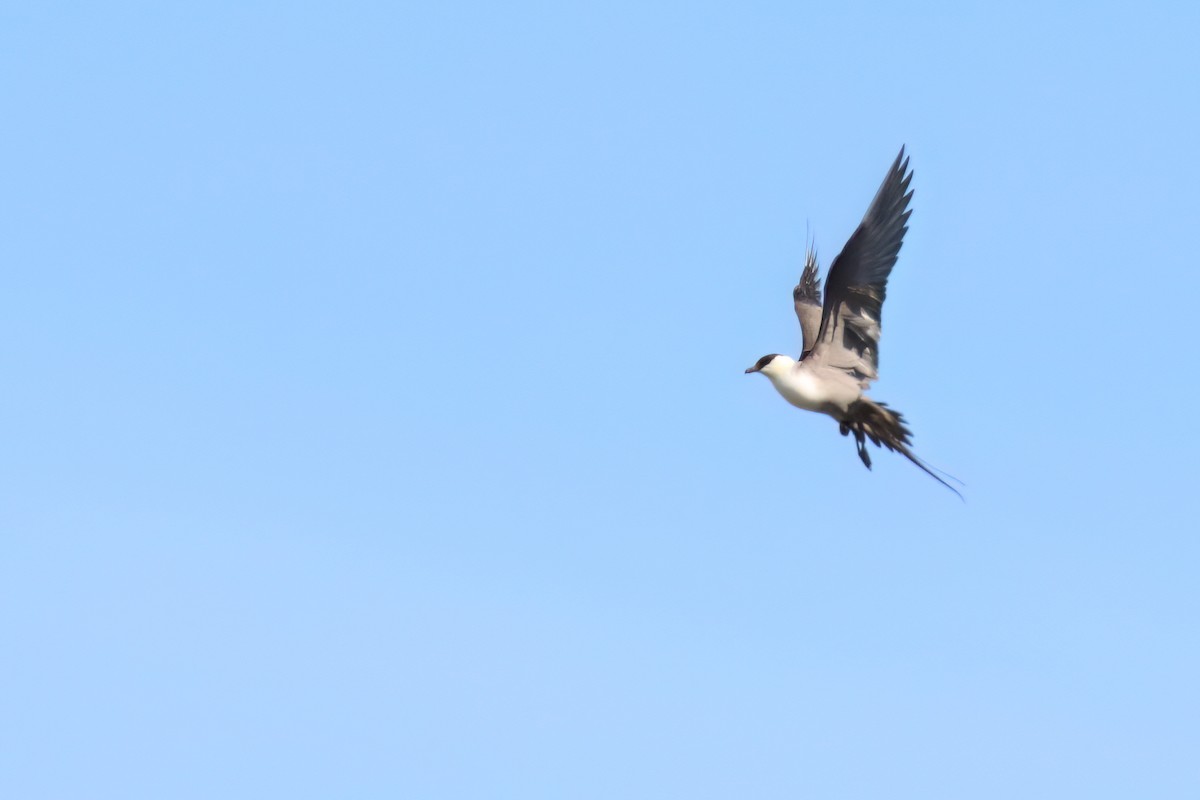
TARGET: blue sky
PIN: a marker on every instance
(374, 422)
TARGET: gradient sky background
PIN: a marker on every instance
(374, 422)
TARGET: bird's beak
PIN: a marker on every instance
(752, 369)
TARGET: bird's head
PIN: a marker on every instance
(772, 366)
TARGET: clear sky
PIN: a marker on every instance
(374, 422)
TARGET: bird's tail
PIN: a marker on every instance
(867, 419)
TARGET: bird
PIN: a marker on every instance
(840, 354)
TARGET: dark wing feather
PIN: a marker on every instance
(857, 282)
(807, 299)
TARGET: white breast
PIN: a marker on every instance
(816, 390)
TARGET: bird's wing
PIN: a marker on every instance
(856, 285)
(807, 299)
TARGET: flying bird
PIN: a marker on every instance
(840, 356)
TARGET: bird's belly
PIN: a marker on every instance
(803, 401)
(803, 391)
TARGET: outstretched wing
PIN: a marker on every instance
(856, 285)
(807, 299)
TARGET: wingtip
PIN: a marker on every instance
(901, 169)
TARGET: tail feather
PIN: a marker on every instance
(867, 419)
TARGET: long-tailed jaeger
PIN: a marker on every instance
(840, 358)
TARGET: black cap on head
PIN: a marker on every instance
(762, 362)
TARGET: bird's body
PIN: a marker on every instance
(808, 385)
(840, 356)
